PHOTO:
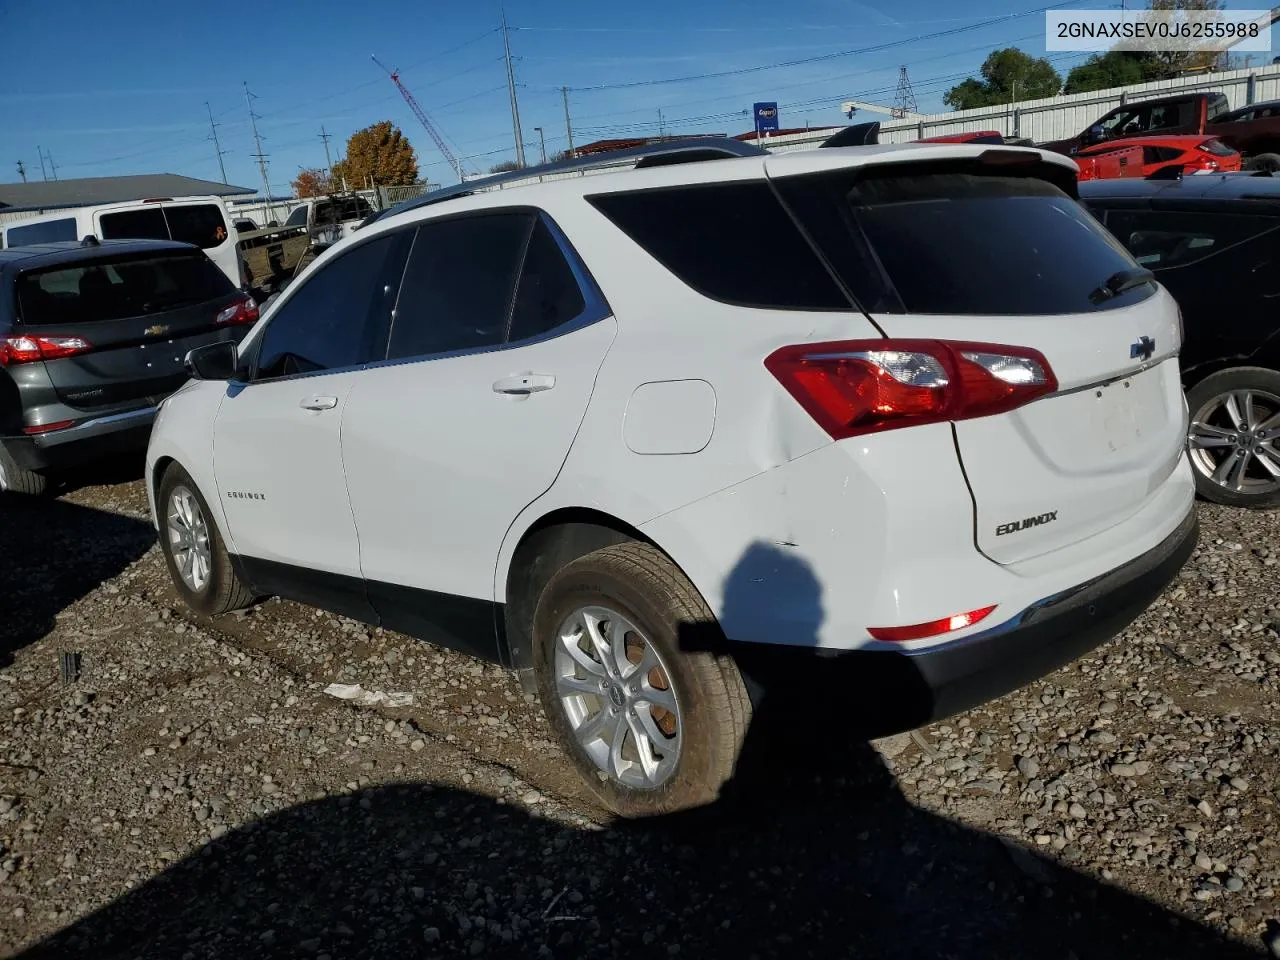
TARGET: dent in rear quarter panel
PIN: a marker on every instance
(183, 432)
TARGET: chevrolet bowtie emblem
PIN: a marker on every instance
(1142, 349)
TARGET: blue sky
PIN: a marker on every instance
(121, 87)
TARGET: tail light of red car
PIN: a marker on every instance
(865, 386)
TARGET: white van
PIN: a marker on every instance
(199, 220)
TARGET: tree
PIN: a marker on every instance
(1176, 61)
(1008, 75)
(506, 166)
(312, 183)
(379, 153)
(1115, 68)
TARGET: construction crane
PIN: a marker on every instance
(423, 119)
(850, 107)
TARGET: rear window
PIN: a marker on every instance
(1217, 147)
(144, 224)
(199, 223)
(913, 241)
(51, 231)
(116, 289)
(732, 242)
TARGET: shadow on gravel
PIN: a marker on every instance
(52, 553)
(812, 852)
(122, 468)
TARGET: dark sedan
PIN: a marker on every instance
(1214, 242)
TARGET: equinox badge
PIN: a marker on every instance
(1017, 525)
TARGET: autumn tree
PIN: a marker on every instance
(1174, 62)
(378, 155)
(1008, 75)
(313, 182)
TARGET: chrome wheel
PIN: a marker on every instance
(189, 538)
(1235, 441)
(617, 695)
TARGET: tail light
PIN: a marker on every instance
(934, 628)
(31, 349)
(244, 310)
(857, 387)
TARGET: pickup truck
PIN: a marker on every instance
(274, 255)
(1253, 131)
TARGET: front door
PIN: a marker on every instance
(277, 451)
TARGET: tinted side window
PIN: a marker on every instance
(201, 224)
(147, 224)
(334, 320)
(458, 285)
(298, 218)
(50, 232)
(1170, 238)
(1218, 106)
(731, 242)
(548, 293)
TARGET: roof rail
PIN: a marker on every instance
(683, 150)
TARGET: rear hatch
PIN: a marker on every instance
(115, 330)
(996, 252)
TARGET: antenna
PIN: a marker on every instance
(904, 98)
(217, 147)
(259, 156)
(423, 118)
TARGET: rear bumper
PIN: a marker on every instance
(891, 691)
(84, 443)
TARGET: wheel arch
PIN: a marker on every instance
(549, 543)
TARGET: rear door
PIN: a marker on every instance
(976, 253)
(136, 316)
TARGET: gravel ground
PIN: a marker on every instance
(196, 794)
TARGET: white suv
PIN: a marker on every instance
(905, 416)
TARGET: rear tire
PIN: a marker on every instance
(652, 728)
(193, 548)
(1234, 441)
(16, 479)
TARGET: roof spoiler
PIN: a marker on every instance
(858, 135)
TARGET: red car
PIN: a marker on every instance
(1143, 156)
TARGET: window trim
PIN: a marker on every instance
(595, 308)
(250, 361)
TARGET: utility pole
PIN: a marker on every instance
(328, 164)
(542, 140)
(568, 127)
(259, 156)
(511, 91)
(43, 172)
(217, 147)
(22, 171)
(661, 128)
(53, 167)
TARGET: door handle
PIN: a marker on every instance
(318, 403)
(524, 384)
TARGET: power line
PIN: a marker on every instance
(217, 147)
(823, 58)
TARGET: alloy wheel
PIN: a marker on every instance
(1234, 441)
(189, 538)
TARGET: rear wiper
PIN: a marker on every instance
(1121, 281)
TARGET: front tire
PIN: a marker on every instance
(1234, 437)
(652, 726)
(197, 558)
(16, 479)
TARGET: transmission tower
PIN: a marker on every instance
(904, 98)
(423, 119)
